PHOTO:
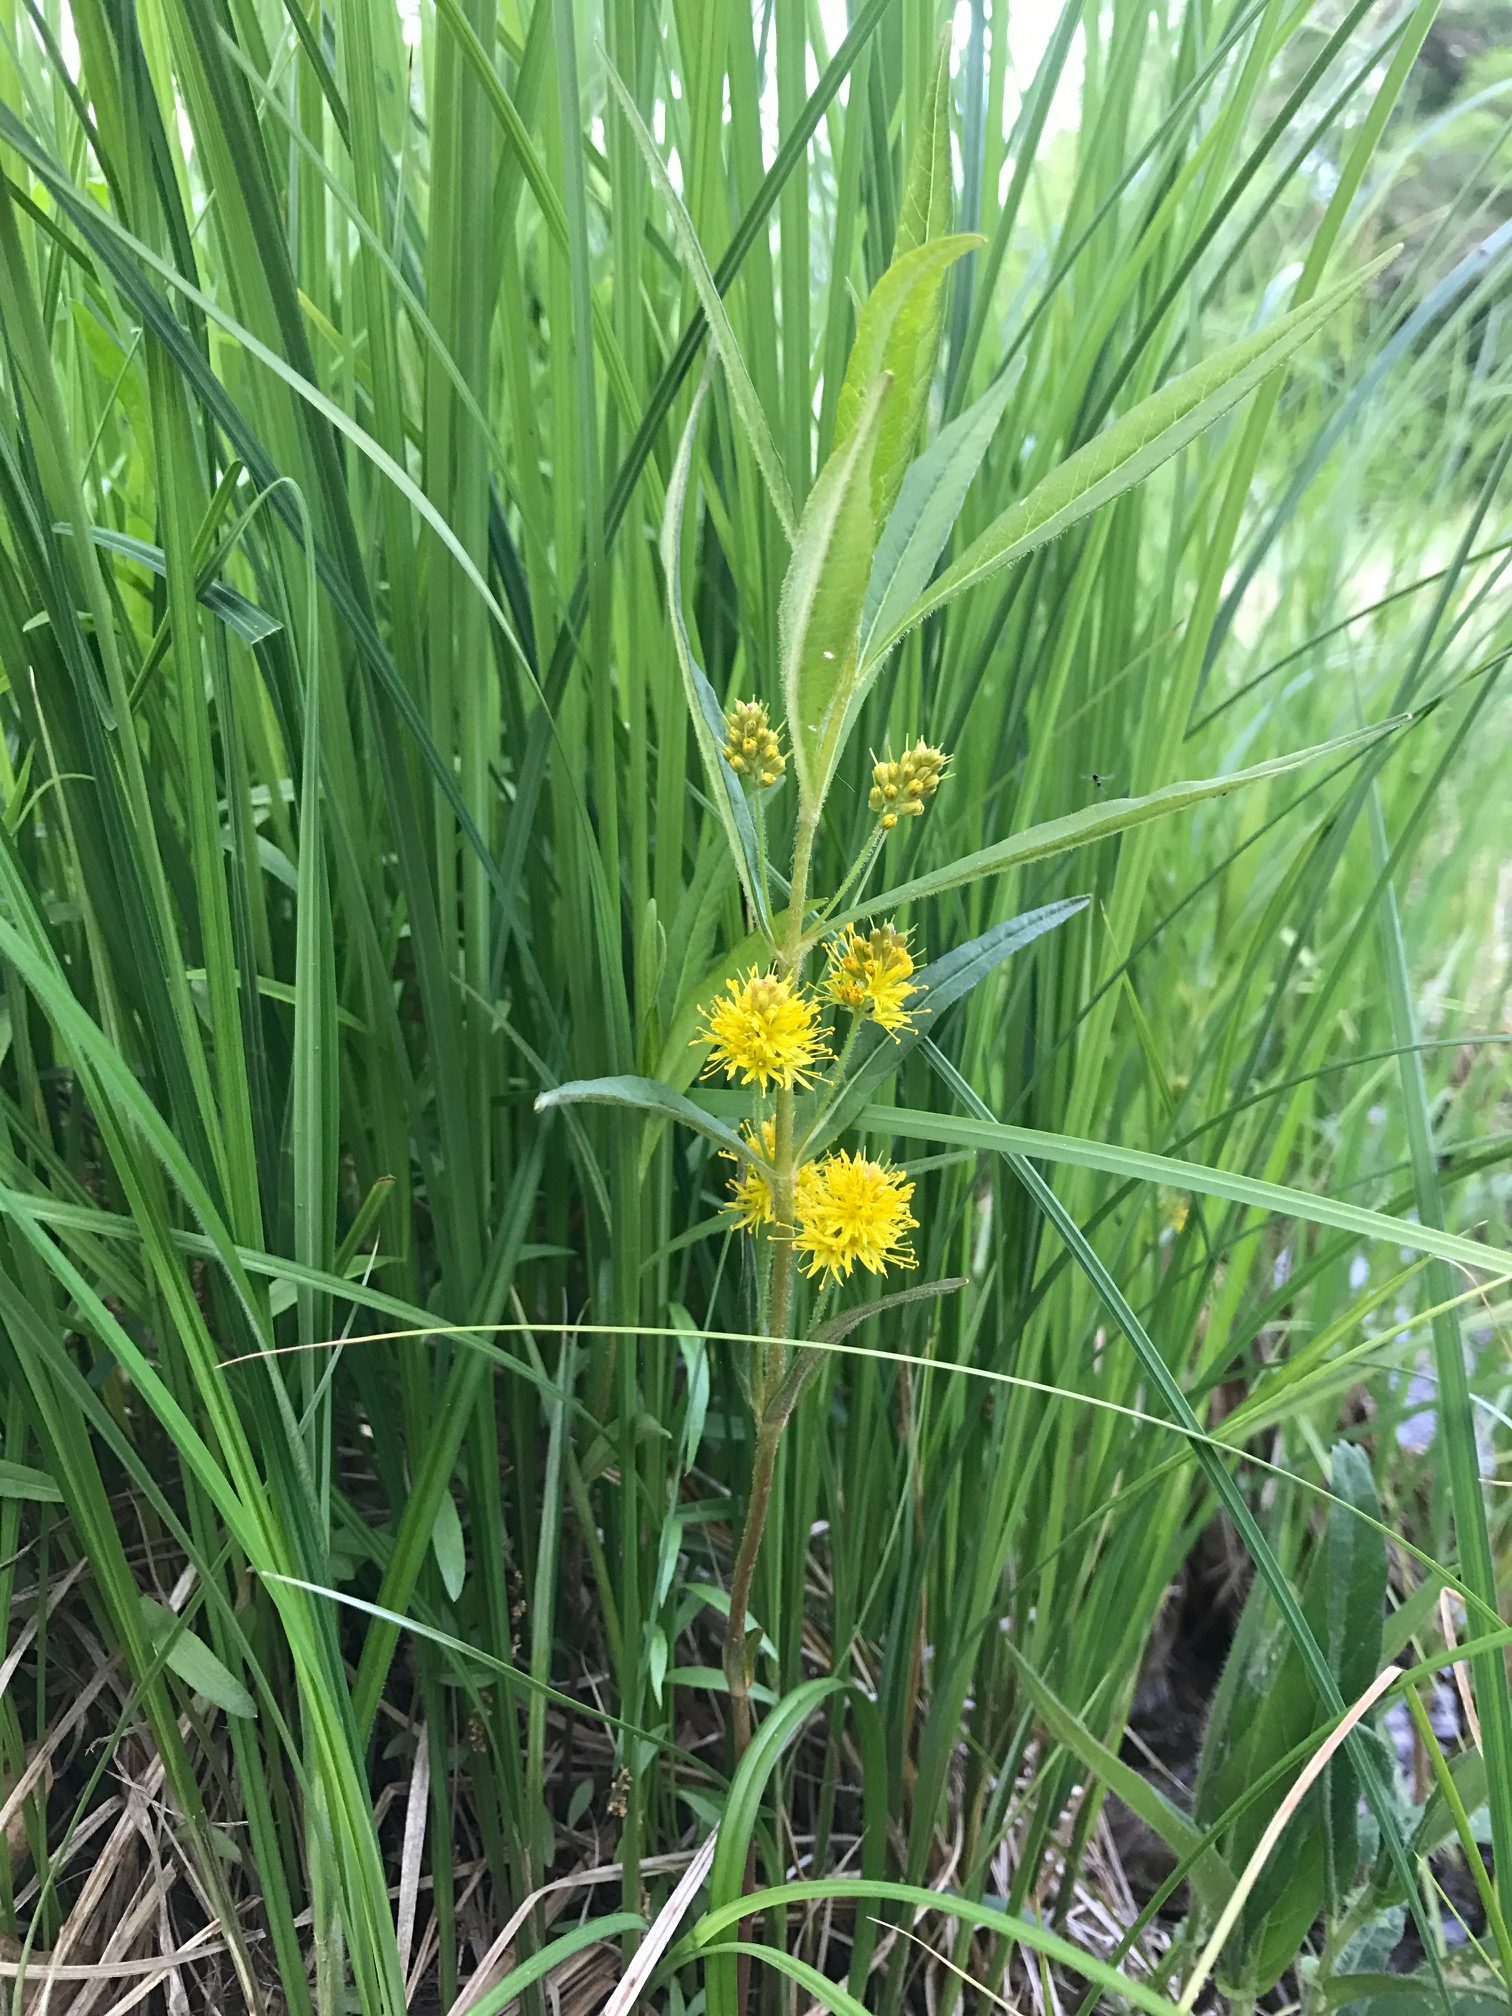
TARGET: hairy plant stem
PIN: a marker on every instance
(790, 951)
(856, 875)
(736, 1658)
(768, 1375)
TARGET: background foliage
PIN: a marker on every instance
(350, 802)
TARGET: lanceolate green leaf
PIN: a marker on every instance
(1196, 1177)
(649, 1096)
(1100, 822)
(929, 193)
(902, 1298)
(1355, 1576)
(821, 602)
(449, 1545)
(1405, 1995)
(899, 333)
(1125, 453)
(1352, 1579)
(195, 1664)
(933, 490)
(20, 1480)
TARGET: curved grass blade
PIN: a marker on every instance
(249, 622)
(737, 1831)
(859, 1890)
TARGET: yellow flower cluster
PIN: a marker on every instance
(765, 1031)
(751, 746)
(899, 790)
(854, 1212)
(850, 1211)
(872, 975)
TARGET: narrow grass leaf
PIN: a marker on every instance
(703, 705)
(743, 395)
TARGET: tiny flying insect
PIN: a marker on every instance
(1097, 778)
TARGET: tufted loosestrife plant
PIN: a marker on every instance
(865, 568)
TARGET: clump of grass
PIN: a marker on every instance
(429, 703)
